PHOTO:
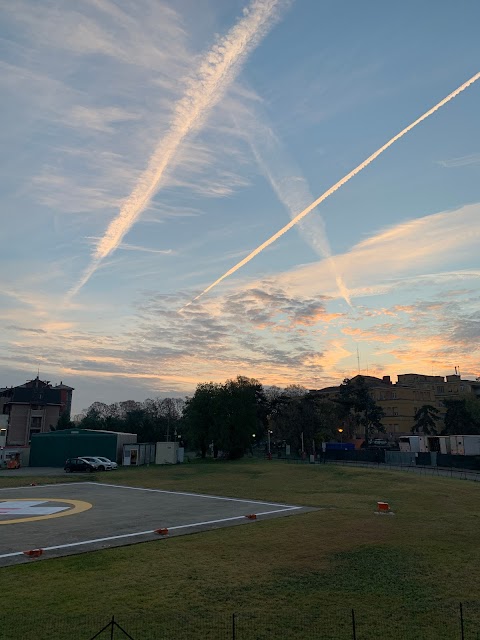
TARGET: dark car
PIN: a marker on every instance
(78, 464)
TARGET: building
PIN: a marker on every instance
(401, 401)
(33, 407)
(433, 390)
(52, 449)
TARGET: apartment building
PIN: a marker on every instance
(401, 401)
(33, 407)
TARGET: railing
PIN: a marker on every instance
(447, 621)
(378, 460)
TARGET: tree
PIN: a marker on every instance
(242, 410)
(356, 397)
(314, 418)
(63, 422)
(472, 404)
(462, 417)
(227, 415)
(94, 416)
(202, 415)
(295, 391)
(151, 420)
(426, 419)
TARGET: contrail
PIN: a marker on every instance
(216, 71)
(291, 188)
(332, 190)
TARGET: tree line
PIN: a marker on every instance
(152, 420)
(462, 417)
(241, 414)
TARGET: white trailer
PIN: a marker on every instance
(415, 444)
(438, 444)
(465, 445)
(166, 453)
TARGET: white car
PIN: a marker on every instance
(95, 462)
(109, 464)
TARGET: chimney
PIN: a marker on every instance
(386, 380)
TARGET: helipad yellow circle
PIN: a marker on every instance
(77, 507)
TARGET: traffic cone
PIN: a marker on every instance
(162, 532)
(33, 553)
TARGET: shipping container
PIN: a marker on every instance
(166, 453)
(139, 453)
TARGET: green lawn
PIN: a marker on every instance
(404, 575)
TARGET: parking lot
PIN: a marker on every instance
(62, 519)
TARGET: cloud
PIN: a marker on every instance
(296, 220)
(472, 159)
(98, 119)
(14, 327)
(215, 72)
(133, 247)
(409, 251)
(286, 180)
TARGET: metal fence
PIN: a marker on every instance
(441, 472)
(450, 621)
(367, 460)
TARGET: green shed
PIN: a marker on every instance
(52, 449)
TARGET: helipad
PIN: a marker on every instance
(25, 510)
(62, 519)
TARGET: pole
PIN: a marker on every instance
(461, 622)
(303, 449)
(268, 439)
(233, 627)
(354, 636)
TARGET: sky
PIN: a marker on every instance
(149, 146)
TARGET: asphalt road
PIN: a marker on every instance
(32, 471)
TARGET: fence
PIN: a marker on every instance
(461, 467)
(448, 621)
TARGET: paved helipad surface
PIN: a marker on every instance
(62, 519)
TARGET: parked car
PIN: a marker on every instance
(96, 462)
(380, 443)
(78, 464)
(109, 464)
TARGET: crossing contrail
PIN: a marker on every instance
(218, 68)
(291, 188)
(335, 187)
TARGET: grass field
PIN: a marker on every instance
(404, 575)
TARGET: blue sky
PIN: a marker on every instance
(149, 146)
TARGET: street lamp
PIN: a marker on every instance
(268, 437)
(340, 431)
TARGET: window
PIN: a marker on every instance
(35, 425)
(394, 395)
(439, 389)
(395, 411)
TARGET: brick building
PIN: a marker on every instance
(33, 407)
